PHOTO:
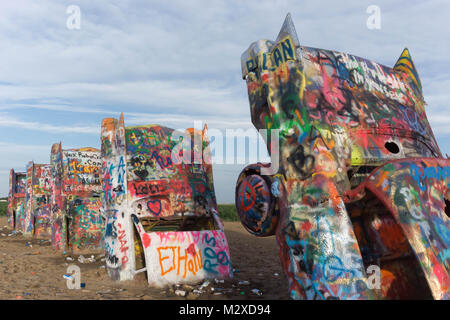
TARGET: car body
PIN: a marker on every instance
(38, 187)
(78, 225)
(38, 199)
(159, 208)
(16, 200)
(361, 188)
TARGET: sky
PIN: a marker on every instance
(176, 62)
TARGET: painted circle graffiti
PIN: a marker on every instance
(255, 205)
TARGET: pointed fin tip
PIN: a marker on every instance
(288, 28)
(288, 17)
(405, 64)
(405, 54)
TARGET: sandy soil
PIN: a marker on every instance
(31, 269)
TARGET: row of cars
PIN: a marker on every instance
(59, 201)
(132, 200)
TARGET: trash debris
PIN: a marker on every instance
(236, 270)
(217, 293)
(204, 284)
(83, 259)
(82, 285)
(67, 277)
(257, 292)
(244, 283)
(242, 293)
(4, 235)
(276, 274)
(69, 259)
(219, 281)
(27, 294)
(181, 293)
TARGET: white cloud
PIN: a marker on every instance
(12, 122)
(178, 96)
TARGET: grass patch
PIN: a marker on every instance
(227, 212)
(3, 206)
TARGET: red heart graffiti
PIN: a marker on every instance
(146, 240)
(154, 206)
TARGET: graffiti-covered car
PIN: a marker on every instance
(42, 190)
(16, 200)
(36, 220)
(161, 205)
(77, 225)
(358, 200)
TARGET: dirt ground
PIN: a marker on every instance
(31, 269)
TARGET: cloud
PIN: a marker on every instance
(175, 62)
(12, 122)
(176, 96)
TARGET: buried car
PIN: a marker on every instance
(357, 187)
(78, 225)
(38, 188)
(16, 200)
(161, 209)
